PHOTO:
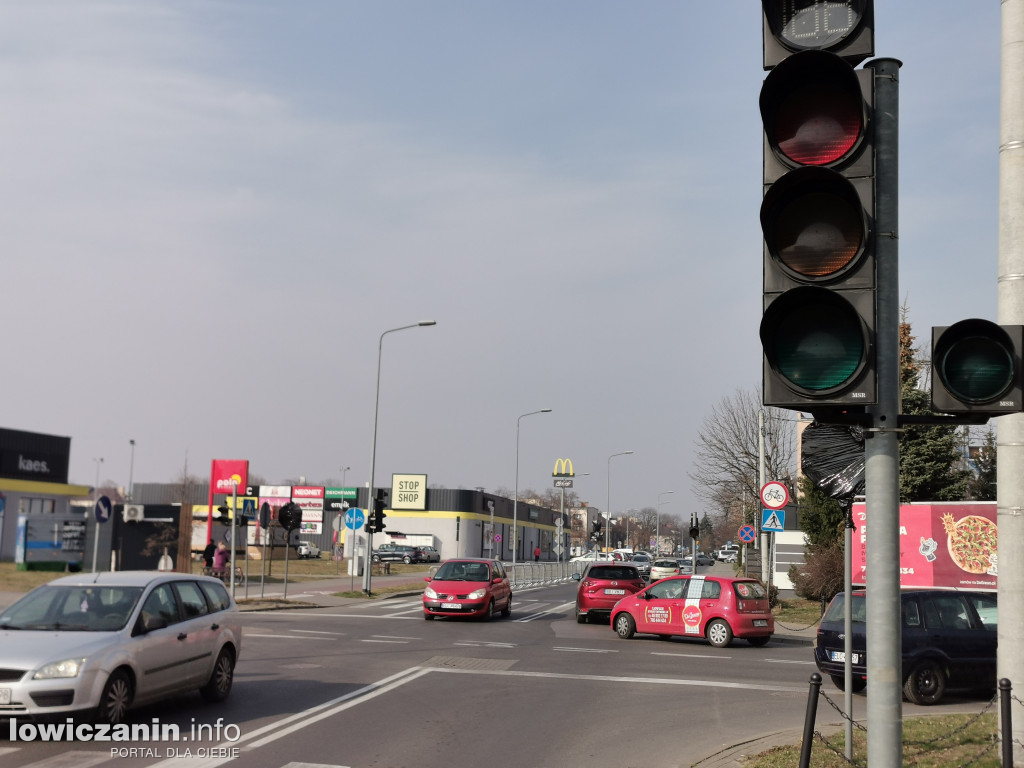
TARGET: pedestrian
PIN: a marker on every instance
(536, 554)
(208, 553)
(220, 560)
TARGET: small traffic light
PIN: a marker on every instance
(817, 216)
(223, 515)
(375, 522)
(977, 368)
(694, 532)
(290, 516)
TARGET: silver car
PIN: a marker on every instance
(98, 644)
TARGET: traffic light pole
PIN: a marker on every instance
(884, 713)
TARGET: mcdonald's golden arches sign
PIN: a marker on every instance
(563, 468)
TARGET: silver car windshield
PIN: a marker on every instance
(86, 608)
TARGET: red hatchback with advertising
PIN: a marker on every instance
(468, 588)
(602, 585)
(716, 608)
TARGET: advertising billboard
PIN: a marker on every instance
(942, 544)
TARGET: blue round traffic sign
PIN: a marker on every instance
(102, 509)
(747, 533)
(354, 518)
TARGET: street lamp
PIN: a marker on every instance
(515, 501)
(373, 451)
(657, 521)
(608, 523)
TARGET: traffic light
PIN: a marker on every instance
(223, 515)
(290, 516)
(375, 522)
(818, 211)
(977, 369)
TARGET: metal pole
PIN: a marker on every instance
(881, 450)
(848, 628)
(608, 512)
(95, 499)
(515, 501)
(809, 718)
(131, 471)
(1010, 299)
(234, 533)
(373, 451)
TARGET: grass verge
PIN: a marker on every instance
(934, 741)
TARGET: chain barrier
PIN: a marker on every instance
(920, 749)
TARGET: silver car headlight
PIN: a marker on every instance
(59, 669)
(476, 594)
(430, 593)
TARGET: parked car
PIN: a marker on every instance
(394, 553)
(728, 556)
(95, 645)
(592, 557)
(427, 554)
(602, 585)
(642, 561)
(704, 559)
(716, 608)
(948, 641)
(469, 587)
(663, 567)
(307, 549)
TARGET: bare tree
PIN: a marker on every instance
(726, 467)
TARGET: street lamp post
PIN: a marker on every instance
(515, 500)
(608, 512)
(340, 528)
(373, 450)
(657, 521)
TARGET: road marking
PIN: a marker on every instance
(72, 760)
(585, 650)
(248, 635)
(317, 632)
(374, 640)
(788, 661)
(689, 655)
(396, 637)
(484, 644)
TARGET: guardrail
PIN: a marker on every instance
(537, 573)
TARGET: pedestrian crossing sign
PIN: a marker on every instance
(773, 520)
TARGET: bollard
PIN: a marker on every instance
(812, 709)
(1005, 724)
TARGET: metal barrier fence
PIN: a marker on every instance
(534, 574)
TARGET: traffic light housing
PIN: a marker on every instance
(597, 529)
(845, 28)
(290, 516)
(977, 368)
(223, 515)
(818, 211)
(375, 522)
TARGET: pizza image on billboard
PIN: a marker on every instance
(971, 541)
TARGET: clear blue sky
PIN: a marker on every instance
(211, 211)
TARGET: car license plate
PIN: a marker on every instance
(841, 656)
(451, 605)
(615, 591)
(5, 695)
(760, 622)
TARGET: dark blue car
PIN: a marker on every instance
(949, 642)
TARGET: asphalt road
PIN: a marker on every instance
(372, 684)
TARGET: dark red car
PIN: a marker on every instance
(468, 588)
(602, 585)
(716, 608)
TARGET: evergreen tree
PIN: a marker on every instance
(928, 452)
(982, 486)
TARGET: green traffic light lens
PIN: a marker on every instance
(815, 339)
(976, 368)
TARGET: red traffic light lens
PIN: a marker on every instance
(813, 110)
(816, 125)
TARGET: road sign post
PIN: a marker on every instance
(103, 509)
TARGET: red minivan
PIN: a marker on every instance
(468, 588)
(716, 608)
